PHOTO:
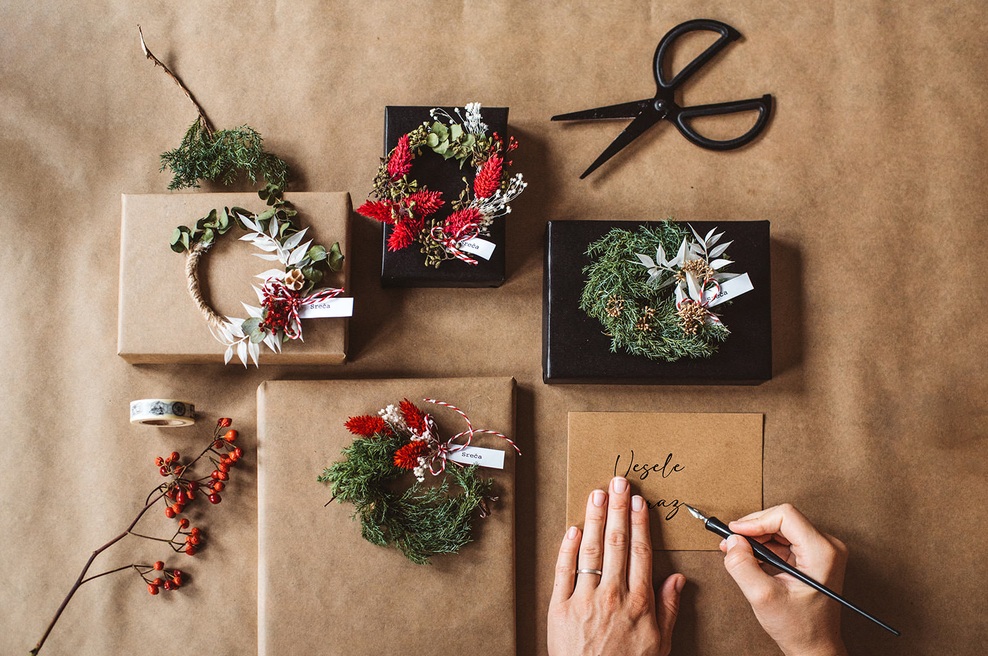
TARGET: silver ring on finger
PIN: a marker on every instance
(587, 570)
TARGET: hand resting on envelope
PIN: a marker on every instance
(801, 620)
(610, 607)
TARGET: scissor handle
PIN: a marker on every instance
(681, 117)
(727, 34)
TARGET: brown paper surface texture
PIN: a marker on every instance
(712, 462)
(159, 322)
(322, 588)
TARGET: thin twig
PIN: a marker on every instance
(203, 120)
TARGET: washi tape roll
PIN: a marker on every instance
(162, 412)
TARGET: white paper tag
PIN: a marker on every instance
(729, 290)
(475, 455)
(331, 307)
(479, 247)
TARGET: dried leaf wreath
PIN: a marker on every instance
(423, 519)
(660, 308)
(284, 292)
(410, 207)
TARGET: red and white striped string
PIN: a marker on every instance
(444, 449)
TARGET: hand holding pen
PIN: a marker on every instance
(797, 617)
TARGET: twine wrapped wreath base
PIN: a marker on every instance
(284, 292)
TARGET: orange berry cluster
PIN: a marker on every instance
(152, 575)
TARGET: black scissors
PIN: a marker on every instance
(647, 113)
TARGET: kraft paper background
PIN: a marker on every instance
(872, 172)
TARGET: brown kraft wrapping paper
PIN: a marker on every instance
(872, 172)
(323, 589)
(159, 323)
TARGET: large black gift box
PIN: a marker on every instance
(406, 268)
(576, 350)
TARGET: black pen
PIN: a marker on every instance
(766, 555)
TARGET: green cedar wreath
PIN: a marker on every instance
(420, 520)
(660, 308)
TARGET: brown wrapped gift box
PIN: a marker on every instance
(158, 321)
(323, 589)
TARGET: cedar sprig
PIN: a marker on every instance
(638, 318)
(421, 520)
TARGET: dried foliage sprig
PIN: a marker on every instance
(181, 489)
(658, 308)
(216, 155)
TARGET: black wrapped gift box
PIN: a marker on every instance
(406, 268)
(575, 350)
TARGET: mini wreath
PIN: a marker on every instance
(421, 520)
(284, 292)
(410, 207)
(660, 308)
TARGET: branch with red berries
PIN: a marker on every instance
(181, 489)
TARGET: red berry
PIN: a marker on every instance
(153, 589)
(230, 435)
(159, 461)
(177, 573)
(238, 452)
(224, 422)
(223, 467)
(163, 471)
(158, 565)
(214, 498)
(218, 444)
(168, 585)
(189, 496)
(169, 512)
(180, 497)
(195, 530)
(183, 523)
(193, 485)
(174, 456)
(223, 476)
(215, 474)
(170, 493)
(218, 486)
(157, 583)
(191, 550)
(192, 539)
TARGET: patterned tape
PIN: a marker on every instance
(162, 412)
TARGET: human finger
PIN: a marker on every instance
(565, 580)
(640, 558)
(592, 544)
(668, 608)
(617, 533)
(741, 564)
(785, 521)
(783, 551)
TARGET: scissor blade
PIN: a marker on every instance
(644, 121)
(621, 110)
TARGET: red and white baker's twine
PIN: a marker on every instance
(444, 449)
(452, 242)
(703, 302)
(276, 290)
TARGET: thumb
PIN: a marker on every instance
(741, 564)
(668, 608)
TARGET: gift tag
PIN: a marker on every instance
(479, 247)
(331, 307)
(475, 455)
(729, 290)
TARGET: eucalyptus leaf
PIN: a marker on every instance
(251, 325)
(335, 258)
(432, 140)
(317, 253)
(455, 132)
(265, 215)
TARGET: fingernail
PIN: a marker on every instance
(723, 544)
(598, 497)
(680, 582)
(636, 503)
(619, 484)
(733, 541)
(571, 533)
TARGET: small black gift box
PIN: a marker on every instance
(576, 350)
(407, 268)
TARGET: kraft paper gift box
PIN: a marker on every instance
(406, 268)
(322, 588)
(576, 350)
(159, 322)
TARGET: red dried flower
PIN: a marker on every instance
(366, 425)
(404, 234)
(407, 457)
(414, 417)
(400, 162)
(488, 178)
(424, 203)
(461, 220)
(382, 210)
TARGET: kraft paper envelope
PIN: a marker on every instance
(710, 461)
(322, 589)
